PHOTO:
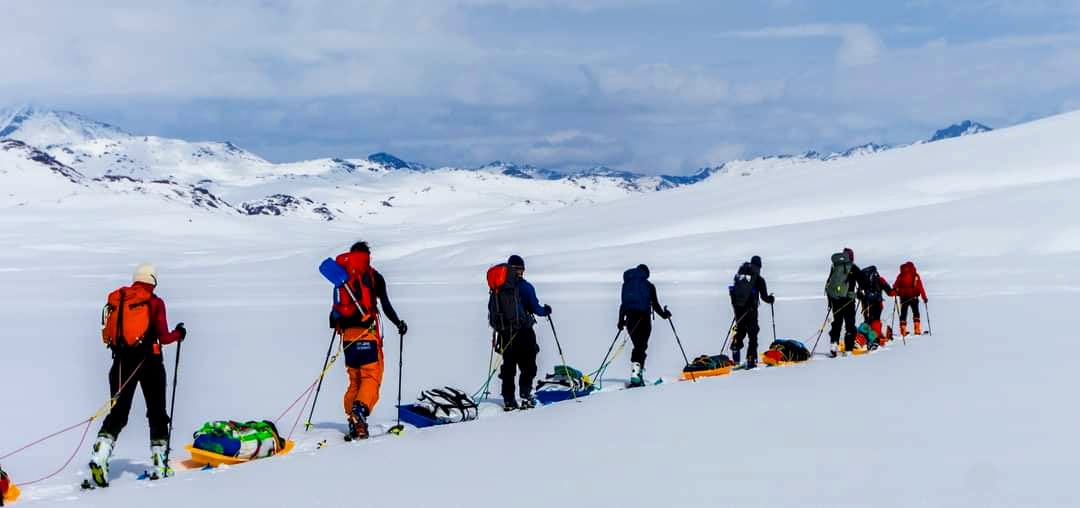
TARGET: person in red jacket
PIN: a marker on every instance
(909, 288)
(133, 365)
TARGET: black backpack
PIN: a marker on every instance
(635, 290)
(505, 312)
(793, 350)
(447, 405)
(743, 292)
(872, 291)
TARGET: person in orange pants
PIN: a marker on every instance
(356, 317)
(909, 288)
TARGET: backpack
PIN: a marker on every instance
(635, 290)
(706, 362)
(742, 290)
(247, 440)
(836, 287)
(125, 320)
(907, 283)
(872, 291)
(361, 286)
(447, 405)
(505, 312)
(786, 350)
(564, 377)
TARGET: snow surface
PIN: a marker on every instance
(979, 413)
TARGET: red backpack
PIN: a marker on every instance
(361, 284)
(907, 283)
(125, 320)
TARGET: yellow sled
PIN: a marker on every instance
(201, 458)
(722, 371)
(12, 494)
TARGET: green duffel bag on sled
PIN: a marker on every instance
(243, 440)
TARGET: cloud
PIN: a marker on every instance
(860, 45)
(573, 148)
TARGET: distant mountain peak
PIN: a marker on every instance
(965, 128)
(389, 161)
(46, 127)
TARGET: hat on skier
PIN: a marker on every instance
(850, 254)
(644, 268)
(756, 261)
(145, 272)
(516, 261)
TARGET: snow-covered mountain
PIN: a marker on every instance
(919, 423)
(965, 128)
(382, 187)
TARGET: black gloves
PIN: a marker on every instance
(183, 331)
(402, 328)
(333, 321)
(622, 323)
(547, 309)
(666, 314)
(769, 299)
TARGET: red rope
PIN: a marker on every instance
(295, 402)
(46, 438)
(310, 392)
(67, 463)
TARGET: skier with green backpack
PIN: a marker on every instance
(840, 289)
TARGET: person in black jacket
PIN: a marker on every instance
(843, 308)
(636, 317)
(748, 290)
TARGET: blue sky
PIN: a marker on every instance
(636, 84)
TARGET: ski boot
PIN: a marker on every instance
(903, 328)
(832, 350)
(637, 375)
(751, 362)
(736, 356)
(358, 427)
(159, 464)
(527, 402)
(509, 405)
(99, 459)
(918, 327)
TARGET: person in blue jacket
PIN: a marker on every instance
(519, 349)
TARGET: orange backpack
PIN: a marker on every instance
(361, 284)
(126, 317)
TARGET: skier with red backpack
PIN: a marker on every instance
(746, 291)
(355, 316)
(639, 302)
(134, 328)
(909, 287)
(512, 305)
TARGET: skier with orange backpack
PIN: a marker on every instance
(355, 316)
(134, 327)
(909, 288)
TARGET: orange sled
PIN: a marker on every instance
(722, 371)
(12, 493)
(201, 458)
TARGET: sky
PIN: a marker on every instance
(645, 85)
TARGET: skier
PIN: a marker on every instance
(519, 347)
(909, 288)
(638, 303)
(840, 289)
(356, 317)
(872, 299)
(134, 329)
(748, 288)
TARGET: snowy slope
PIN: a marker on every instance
(969, 416)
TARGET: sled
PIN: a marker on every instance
(698, 374)
(546, 397)
(409, 415)
(206, 458)
(12, 493)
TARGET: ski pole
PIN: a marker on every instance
(172, 405)
(307, 426)
(609, 349)
(772, 311)
(821, 331)
(896, 310)
(558, 346)
(398, 428)
(679, 342)
(927, 317)
(728, 337)
(491, 362)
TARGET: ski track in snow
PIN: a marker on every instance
(975, 414)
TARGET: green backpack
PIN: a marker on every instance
(247, 440)
(836, 287)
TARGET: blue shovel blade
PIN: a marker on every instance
(334, 272)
